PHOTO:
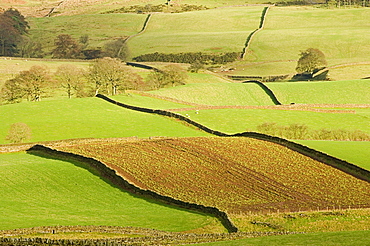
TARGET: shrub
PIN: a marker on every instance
(18, 133)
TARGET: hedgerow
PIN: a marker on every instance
(189, 57)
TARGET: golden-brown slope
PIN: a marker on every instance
(236, 175)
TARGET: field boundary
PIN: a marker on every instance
(341, 66)
(339, 164)
(111, 174)
(145, 25)
(147, 236)
(251, 35)
(264, 87)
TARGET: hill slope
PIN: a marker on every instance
(236, 175)
(86, 118)
(218, 94)
(38, 191)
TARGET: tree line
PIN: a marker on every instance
(189, 57)
(106, 75)
(13, 26)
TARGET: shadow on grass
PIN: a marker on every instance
(110, 177)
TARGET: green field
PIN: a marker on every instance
(339, 33)
(240, 120)
(86, 118)
(38, 191)
(148, 102)
(216, 30)
(354, 152)
(290, 30)
(218, 94)
(323, 92)
(9, 67)
(345, 238)
(100, 28)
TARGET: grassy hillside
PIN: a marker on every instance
(86, 118)
(353, 152)
(100, 28)
(290, 30)
(37, 191)
(190, 169)
(216, 30)
(323, 92)
(218, 94)
(339, 33)
(9, 67)
(135, 99)
(74, 7)
(239, 120)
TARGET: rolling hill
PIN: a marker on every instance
(37, 191)
(235, 175)
(262, 186)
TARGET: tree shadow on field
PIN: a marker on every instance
(110, 177)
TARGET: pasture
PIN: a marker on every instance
(323, 92)
(100, 28)
(218, 94)
(355, 152)
(37, 191)
(9, 67)
(256, 183)
(339, 33)
(215, 30)
(231, 120)
(86, 118)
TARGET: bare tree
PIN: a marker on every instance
(72, 79)
(111, 75)
(170, 75)
(34, 82)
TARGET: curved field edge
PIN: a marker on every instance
(52, 120)
(256, 175)
(111, 174)
(344, 166)
(38, 191)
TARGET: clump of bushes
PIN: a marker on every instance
(158, 8)
(189, 57)
(301, 131)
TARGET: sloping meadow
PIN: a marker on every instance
(215, 30)
(338, 33)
